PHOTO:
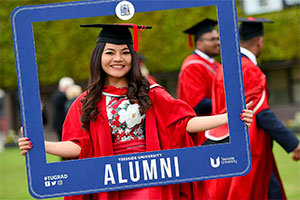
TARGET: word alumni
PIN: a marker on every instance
(142, 170)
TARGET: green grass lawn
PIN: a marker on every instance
(13, 180)
(289, 171)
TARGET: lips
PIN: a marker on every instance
(118, 66)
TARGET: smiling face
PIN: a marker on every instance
(209, 43)
(116, 62)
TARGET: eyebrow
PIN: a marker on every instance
(111, 49)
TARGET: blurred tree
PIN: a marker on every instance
(63, 48)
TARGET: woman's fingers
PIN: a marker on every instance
(23, 139)
(247, 116)
(23, 152)
(248, 105)
(24, 145)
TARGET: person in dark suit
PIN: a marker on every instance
(58, 105)
(263, 181)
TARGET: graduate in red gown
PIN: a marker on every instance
(263, 181)
(198, 70)
(122, 112)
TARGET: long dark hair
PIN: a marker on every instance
(137, 92)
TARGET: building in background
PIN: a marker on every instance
(253, 7)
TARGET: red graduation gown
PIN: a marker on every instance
(165, 129)
(195, 83)
(254, 185)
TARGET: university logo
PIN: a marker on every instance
(215, 163)
(125, 9)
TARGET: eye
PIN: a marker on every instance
(109, 52)
(126, 52)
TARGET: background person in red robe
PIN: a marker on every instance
(263, 181)
(121, 113)
(197, 71)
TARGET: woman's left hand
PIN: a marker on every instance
(247, 114)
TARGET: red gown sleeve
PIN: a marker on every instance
(193, 85)
(172, 116)
(72, 130)
(255, 86)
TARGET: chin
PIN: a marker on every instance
(214, 54)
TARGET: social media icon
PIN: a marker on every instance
(47, 184)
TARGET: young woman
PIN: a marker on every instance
(121, 113)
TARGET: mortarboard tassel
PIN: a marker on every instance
(135, 38)
(135, 35)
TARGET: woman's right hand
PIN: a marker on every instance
(67, 149)
(24, 145)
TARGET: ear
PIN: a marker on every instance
(199, 45)
(260, 42)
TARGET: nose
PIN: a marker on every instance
(118, 57)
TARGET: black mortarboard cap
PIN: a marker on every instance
(118, 33)
(252, 27)
(201, 27)
(204, 26)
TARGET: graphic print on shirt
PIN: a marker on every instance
(125, 120)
